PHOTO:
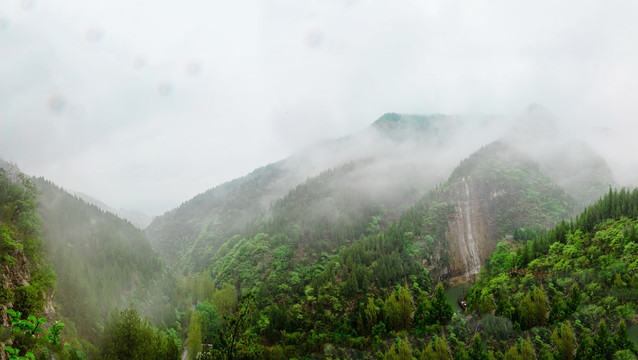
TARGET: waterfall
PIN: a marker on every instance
(467, 245)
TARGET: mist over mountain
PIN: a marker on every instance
(136, 218)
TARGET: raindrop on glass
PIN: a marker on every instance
(193, 68)
(313, 39)
(26, 4)
(165, 89)
(56, 104)
(139, 62)
(3, 24)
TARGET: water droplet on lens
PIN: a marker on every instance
(193, 68)
(165, 89)
(314, 38)
(27, 4)
(3, 24)
(139, 62)
(57, 104)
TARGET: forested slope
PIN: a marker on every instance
(575, 285)
(102, 262)
(398, 159)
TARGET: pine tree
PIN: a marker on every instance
(621, 339)
(405, 307)
(603, 346)
(436, 350)
(441, 309)
(574, 299)
(564, 340)
(477, 352)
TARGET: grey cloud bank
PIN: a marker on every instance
(144, 104)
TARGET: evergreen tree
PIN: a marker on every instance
(574, 299)
(405, 307)
(603, 348)
(621, 338)
(441, 310)
(194, 338)
(436, 350)
(400, 350)
(564, 340)
(477, 352)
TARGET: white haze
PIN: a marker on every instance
(144, 104)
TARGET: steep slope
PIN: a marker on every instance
(27, 278)
(392, 170)
(575, 277)
(496, 190)
(102, 263)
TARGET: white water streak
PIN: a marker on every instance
(467, 245)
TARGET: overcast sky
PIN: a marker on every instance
(145, 103)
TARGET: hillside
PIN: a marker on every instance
(323, 253)
(28, 279)
(102, 262)
(393, 170)
(496, 190)
(579, 278)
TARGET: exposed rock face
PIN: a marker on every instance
(13, 277)
(495, 191)
(468, 234)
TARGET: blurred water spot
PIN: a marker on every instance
(314, 38)
(139, 62)
(27, 4)
(93, 34)
(3, 24)
(193, 68)
(57, 103)
(165, 89)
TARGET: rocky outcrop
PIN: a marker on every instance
(468, 236)
(14, 276)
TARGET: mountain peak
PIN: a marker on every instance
(536, 120)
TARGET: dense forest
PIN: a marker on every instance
(336, 266)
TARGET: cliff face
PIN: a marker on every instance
(495, 191)
(468, 238)
(13, 276)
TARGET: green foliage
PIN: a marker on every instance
(477, 352)
(400, 350)
(128, 336)
(236, 339)
(28, 334)
(102, 263)
(20, 244)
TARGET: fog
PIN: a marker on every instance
(143, 104)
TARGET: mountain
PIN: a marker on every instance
(496, 190)
(569, 161)
(330, 271)
(398, 159)
(135, 217)
(102, 262)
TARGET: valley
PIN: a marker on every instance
(342, 251)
